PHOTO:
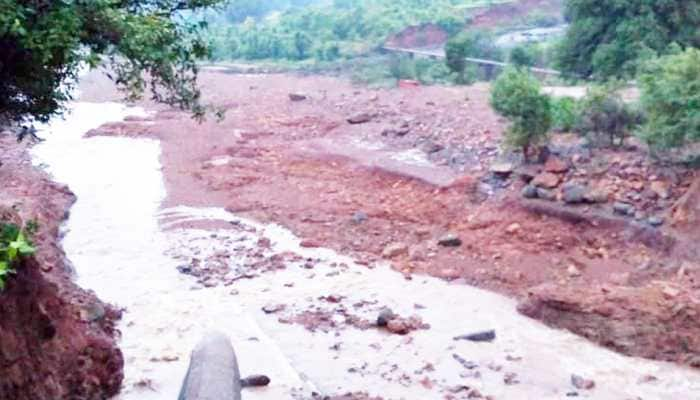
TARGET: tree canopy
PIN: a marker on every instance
(147, 44)
(610, 38)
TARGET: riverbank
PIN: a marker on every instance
(387, 174)
(57, 341)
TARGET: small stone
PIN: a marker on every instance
(596, 196)
(573, 271)
(360, 119)
(273, 308)
(513, 228)
(297, 97)
(394, 250)
(502, 169)
(656, 221)
(386, 314)
(255, 381)
(530, 192)
(359, 217)
(556, 165)
(450, 240)
(546, 180)
(485, 336)
(582, 383)
(661, 189)
(624, 209)
(398, 326)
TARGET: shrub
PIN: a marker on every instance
(671, 99)
(520, 56)
(517, 96)
(565, 114)
(604, 115)
(14, 245)
(474, 44)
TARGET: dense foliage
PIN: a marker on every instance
(147, 44)
(671, 99)
(516, 95)
(14, 245)
(604, 116)
(610, 38)
(474, 44)
(327, 30)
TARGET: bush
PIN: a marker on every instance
(565, 114)
(521, 56)
(671, 99)
(14, 245)
(517, 96)
(605, 117)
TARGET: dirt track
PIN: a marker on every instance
(392, 186)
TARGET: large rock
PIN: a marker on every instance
(546, 180)
(213, 372)
(574, 193)
(556, 165)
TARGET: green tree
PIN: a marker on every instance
(520, 56)
(516, 95)
(671, 99)
(148, 44)
(610, 38)
(474, 44)
(604, 114)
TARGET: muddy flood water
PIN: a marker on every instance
(127, 248)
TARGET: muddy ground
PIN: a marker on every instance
(416, 176)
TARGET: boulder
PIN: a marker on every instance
(530, 192)
(574, 193)
(546, 180)
(546, 194)
(556, 165)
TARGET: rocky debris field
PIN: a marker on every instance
(416, 176)
(57, 341)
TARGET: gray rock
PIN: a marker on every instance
(386, 314)
(624, 209)
(297, 97)
(545, 194)
(656, 221)
(359, 217)
(360, 119)
(450, 240)
(485, 336)
(255, 381)
(574, 193)
(582, 383)
(530, 192)
(431, 147)
(213, 372)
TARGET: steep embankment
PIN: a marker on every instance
(57, 341)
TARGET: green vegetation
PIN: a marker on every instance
(565, 114)
(612, 38)
(604, 116)
(516, 95)
(147, 44)
(474, 44)
(671, 99)
(14, 245)
(329, 30)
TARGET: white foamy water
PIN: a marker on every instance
(126, 249)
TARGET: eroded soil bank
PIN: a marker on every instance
(387, 174)
(57, 341)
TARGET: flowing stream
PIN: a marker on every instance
(127, 249)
